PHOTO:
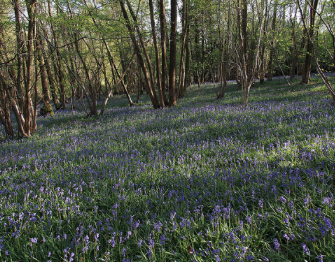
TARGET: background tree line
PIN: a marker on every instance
(61, 51)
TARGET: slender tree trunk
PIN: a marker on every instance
(163, 47)
(51, 79)
(49, 60)
(147, 76)
(92, 99)
(223, 56)
(5, 115)
(146, 55)
(246, 77)
(28, 110)
(153, 30)
(20, 45)
(120, 80)
(187, 63)
(113, 66)
(273, 28)
(182, 87)
(47, 108)
(58, 64)
(309, 49)
(173, 54)
(295, 64)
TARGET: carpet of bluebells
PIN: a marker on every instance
(204, 181)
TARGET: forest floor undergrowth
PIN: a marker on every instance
(206, 180)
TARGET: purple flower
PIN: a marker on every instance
(305, 249)
(260, 203)
(249, 219)
(139, 242)
(124, 252)
(320, 257)
(112, 242)
(327, 201)
(163, 239)
(283, 199)
(33, 240)
(307, 200)
(136, 225)
(151, 242)
(71, 257)
(276, 244)
(285, 220)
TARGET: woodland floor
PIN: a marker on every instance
(204, 181)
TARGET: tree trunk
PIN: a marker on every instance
(273, 28)
(92, 99)
(173, 54)
(20, 45)
(147, 76)
(182, 68)
(163, 47)
(51, 79)
(153, 30)
(120, 80)
(47, 108)
(28, 110)
(58, 64)
(5, 115)
(146, 55)
(309, 49)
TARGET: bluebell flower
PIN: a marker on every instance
(260, 203)
(320, 257)
(33, 240)
(283, 199)
(276, 244)
(305, 249)
(139, 243)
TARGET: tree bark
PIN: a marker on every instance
(173, 54)
(28, 110)
(182, 69)
(162, 20)
(309, 48)
(20, 45)
(47, 108)
(58, 64)
(51, 79)
(273, 28)
(5, 114)
(153, 30)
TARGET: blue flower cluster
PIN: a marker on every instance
(203, 182)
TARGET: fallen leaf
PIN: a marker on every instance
(190, 250)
